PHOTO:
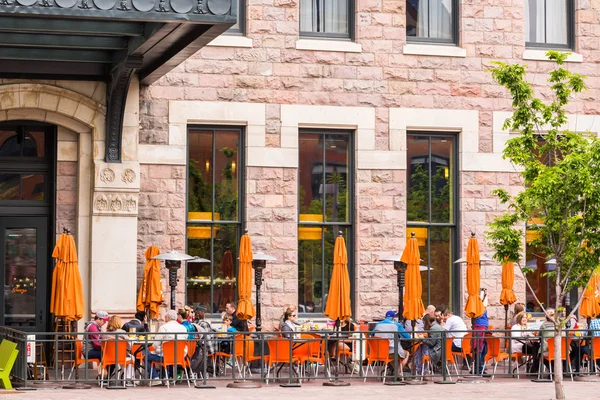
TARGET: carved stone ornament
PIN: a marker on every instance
(130, 204)
(115, 203)
(101, 203)
(107, 175)
(128, 176)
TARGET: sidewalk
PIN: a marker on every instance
(498, 390)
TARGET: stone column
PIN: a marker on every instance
(114, 236)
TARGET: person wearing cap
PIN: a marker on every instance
(93, 348)
(387, 329)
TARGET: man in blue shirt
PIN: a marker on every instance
(387, 329)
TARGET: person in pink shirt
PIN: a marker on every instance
(93, 348)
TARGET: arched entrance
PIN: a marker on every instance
(27, 204)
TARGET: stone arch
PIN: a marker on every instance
(52, 104)
(78, 113)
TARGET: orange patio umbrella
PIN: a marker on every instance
(58, 273)
(338, 300)
(413, 305)
(474, 307)
(245, 308)
(150, 296)
(67, 290)
(507, 296)
(589, 304)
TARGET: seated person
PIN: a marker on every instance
(138, 323)
(225, 344)
(387, 329)
(456, 328)
(169, 331)
(288, 325)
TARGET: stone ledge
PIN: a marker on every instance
(434, 50)
(345, 46)
(540, 55)
(231, 41)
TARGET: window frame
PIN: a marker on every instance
(240, 223)
(241, 17)
(570, 32)
(435, 41)
(349, 225)
(456, 287)
(329, 35)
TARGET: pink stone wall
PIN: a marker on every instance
(161, 217)
(381, 76)
(66, 196)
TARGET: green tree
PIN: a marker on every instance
(563, 193)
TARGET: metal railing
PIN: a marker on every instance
(204, 357)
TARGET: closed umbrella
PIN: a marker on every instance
(67, 299)
(413, 304)
(507, 296)
(338, 300)
(474, 307)
(57, 274)
(150, 296)
(245, 308)
(589, 304)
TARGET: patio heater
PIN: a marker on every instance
(259, 263)
(173, 261)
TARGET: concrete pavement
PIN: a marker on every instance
(512, 389)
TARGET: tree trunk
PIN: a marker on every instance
(558, 369)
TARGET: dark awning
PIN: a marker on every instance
(106, 40)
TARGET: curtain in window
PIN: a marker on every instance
(540, 14)
(327, 16)
(435, 19)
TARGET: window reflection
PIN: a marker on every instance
(324, 206)
(213, 228)
(20, 277)
(430, 200)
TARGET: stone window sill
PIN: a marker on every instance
(231, 41)
(434, 50)
(345, 46)
(540, 55)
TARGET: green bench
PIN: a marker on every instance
(8, 355)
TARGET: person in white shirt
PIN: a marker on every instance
(167, 332)
(456, 328)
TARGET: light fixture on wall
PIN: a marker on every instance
(233, 167)
(207, 165)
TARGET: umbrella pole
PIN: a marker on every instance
(336, 381)
(506, 326)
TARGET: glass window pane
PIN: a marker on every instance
(200, 174)
(315, 265)
(199, 274)
(418, 179)
(226, 175)
(440, 261)
(10, 186)
(20, 260)
(543, 286)
(225, 264)
(429, 19)
(33, 144)
(546, 21)
(311, 176)
(336, 176)
(33, 187)
(442, 170)
(10, 145)
(327, 16)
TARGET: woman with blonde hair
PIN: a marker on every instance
(521, 340)
(114, 325)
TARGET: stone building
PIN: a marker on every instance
(375, 118)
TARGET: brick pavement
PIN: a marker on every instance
(502, 389)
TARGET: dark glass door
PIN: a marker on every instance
(24, 271)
